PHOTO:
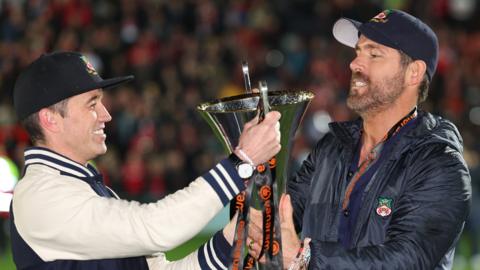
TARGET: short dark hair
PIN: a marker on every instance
(405, 60)
(32, 123)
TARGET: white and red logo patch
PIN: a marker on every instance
(90, 68)
(381, 17)
(384, 207)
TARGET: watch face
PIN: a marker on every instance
(245, 170)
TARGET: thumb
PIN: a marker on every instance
(286, 212)
(273, 116)
(229, 229)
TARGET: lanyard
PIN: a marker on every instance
(374, 154)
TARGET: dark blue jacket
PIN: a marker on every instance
(425, 180)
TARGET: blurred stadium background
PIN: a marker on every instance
(187, 52)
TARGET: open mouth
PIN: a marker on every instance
(99, 132)
(358, 83)
(358, 80)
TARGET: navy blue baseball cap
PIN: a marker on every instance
(54, 77)
(395, 29)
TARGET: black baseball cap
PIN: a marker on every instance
(395, 29)
(54, 77)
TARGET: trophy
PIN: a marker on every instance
(227, 117)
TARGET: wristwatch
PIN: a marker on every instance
(244, 169)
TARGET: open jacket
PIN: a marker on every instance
(63, 217)
(425, 180)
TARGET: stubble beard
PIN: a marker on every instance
(378, 95)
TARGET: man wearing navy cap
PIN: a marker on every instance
(390, 190)
(64, 217)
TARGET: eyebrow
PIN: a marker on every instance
(369, 46)
(95, 97)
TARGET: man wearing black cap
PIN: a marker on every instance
(64, 217)
(391, 189)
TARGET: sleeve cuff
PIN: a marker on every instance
(224, 179)
(215, 254)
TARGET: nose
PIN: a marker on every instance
(356, 65)
(103, 114)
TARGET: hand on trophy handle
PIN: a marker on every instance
(260, 141)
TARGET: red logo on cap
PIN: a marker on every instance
(90, 68)
(381, 17)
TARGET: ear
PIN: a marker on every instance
(415, 72)
(49, 120)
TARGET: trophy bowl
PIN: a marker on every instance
(227, 116)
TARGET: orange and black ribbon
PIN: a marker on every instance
(263, 182)
(271, 246)
(241, 205)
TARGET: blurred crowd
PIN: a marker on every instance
(183, 53)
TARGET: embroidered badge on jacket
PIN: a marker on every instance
(384, 207)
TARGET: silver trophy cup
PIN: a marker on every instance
(227, 117)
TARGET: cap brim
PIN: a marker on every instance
(345, 31)
(110, 83)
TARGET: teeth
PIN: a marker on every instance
(98, 131)
(359, 83)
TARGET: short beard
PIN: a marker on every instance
(378, 97)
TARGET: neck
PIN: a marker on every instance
(59, 150)
(377, 125)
